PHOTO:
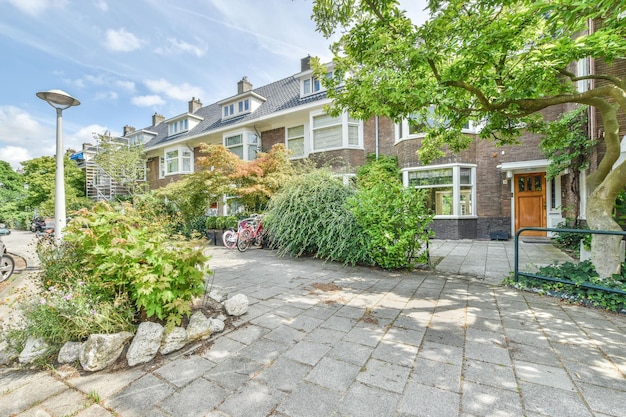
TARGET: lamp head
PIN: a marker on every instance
(58, 99)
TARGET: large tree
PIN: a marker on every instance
(39, 175)
(500, 62)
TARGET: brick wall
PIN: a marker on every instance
(270, 138)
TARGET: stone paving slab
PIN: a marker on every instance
(373, 343)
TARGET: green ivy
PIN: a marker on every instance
(581, 273)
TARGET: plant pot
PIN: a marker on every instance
(214, 236)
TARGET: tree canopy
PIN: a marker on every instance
(124, 162)
(496, 62)
(39, 174)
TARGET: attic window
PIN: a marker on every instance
(178, 126)
(312, 85)
(236, 108)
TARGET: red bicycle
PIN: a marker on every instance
(249, 232)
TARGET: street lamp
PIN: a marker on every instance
(60, 100)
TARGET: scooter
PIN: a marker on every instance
(7, 264)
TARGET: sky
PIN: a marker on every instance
(127, 59)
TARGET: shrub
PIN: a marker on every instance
(210, 222)
(571, 240)
(394, 218)
(309, 217)
(122, 253)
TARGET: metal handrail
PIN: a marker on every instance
(517, 273)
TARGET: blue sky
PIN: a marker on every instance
(127, 59)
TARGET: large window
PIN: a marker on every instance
(335, 132)
(295, 141)
(416, 125)
(244, 144)
(450, 188)
(177, 161)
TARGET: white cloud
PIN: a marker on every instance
(126, 85)
(122, 41)
(174, 46)
(15, 124)
(147, 101)
(107, 95)
(84, 135)
(35, 7)
(14, 155)
(182, 92)
(102, 5)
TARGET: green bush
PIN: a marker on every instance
(210, 222)
(309, 217)
(122, 253)
(396, 221)
(394, 218)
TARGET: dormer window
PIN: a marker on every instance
(183, 123)
(309, 84)
(178, 127)
(237, 108)
(243, 103)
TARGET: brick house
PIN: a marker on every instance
(474, 194)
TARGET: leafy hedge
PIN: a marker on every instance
(309, 217)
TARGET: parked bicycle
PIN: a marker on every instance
(249, 232)
(7, 264)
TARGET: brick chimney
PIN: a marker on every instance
(305, 63)
(244, 85)
(194, 105)
(157, 118)
(128, 129)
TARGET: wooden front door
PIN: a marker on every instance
(530, 202)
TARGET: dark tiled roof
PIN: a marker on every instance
(280, 95)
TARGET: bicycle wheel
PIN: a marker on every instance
(230, 239)
(243, 243)
(7, 265)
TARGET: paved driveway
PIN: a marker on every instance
(323, 340)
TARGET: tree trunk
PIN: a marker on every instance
(605, 254)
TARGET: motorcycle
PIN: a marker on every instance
(7, 264)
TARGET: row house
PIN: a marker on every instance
(483, 192)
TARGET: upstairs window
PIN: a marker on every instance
(416, 125)
(335, 132)
(178, 126)
(236, 108)
(312, 85)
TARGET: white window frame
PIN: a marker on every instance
(402, 129)
(311, 85)
(178, 126)
(184, 157)
(245, 143)
(456, 188)
(345, 122)
(294, 137)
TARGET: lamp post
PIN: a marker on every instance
(60, 100)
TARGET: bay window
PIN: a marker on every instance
(178, 160)
(450, 188)
(243, 144)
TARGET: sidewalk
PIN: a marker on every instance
(323, 340)
(492, 260)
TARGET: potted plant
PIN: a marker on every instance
(211, 229)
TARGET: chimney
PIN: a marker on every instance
(128, 129)
(305, 63)
(194, 105)
(157, 118)
(244, 85)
